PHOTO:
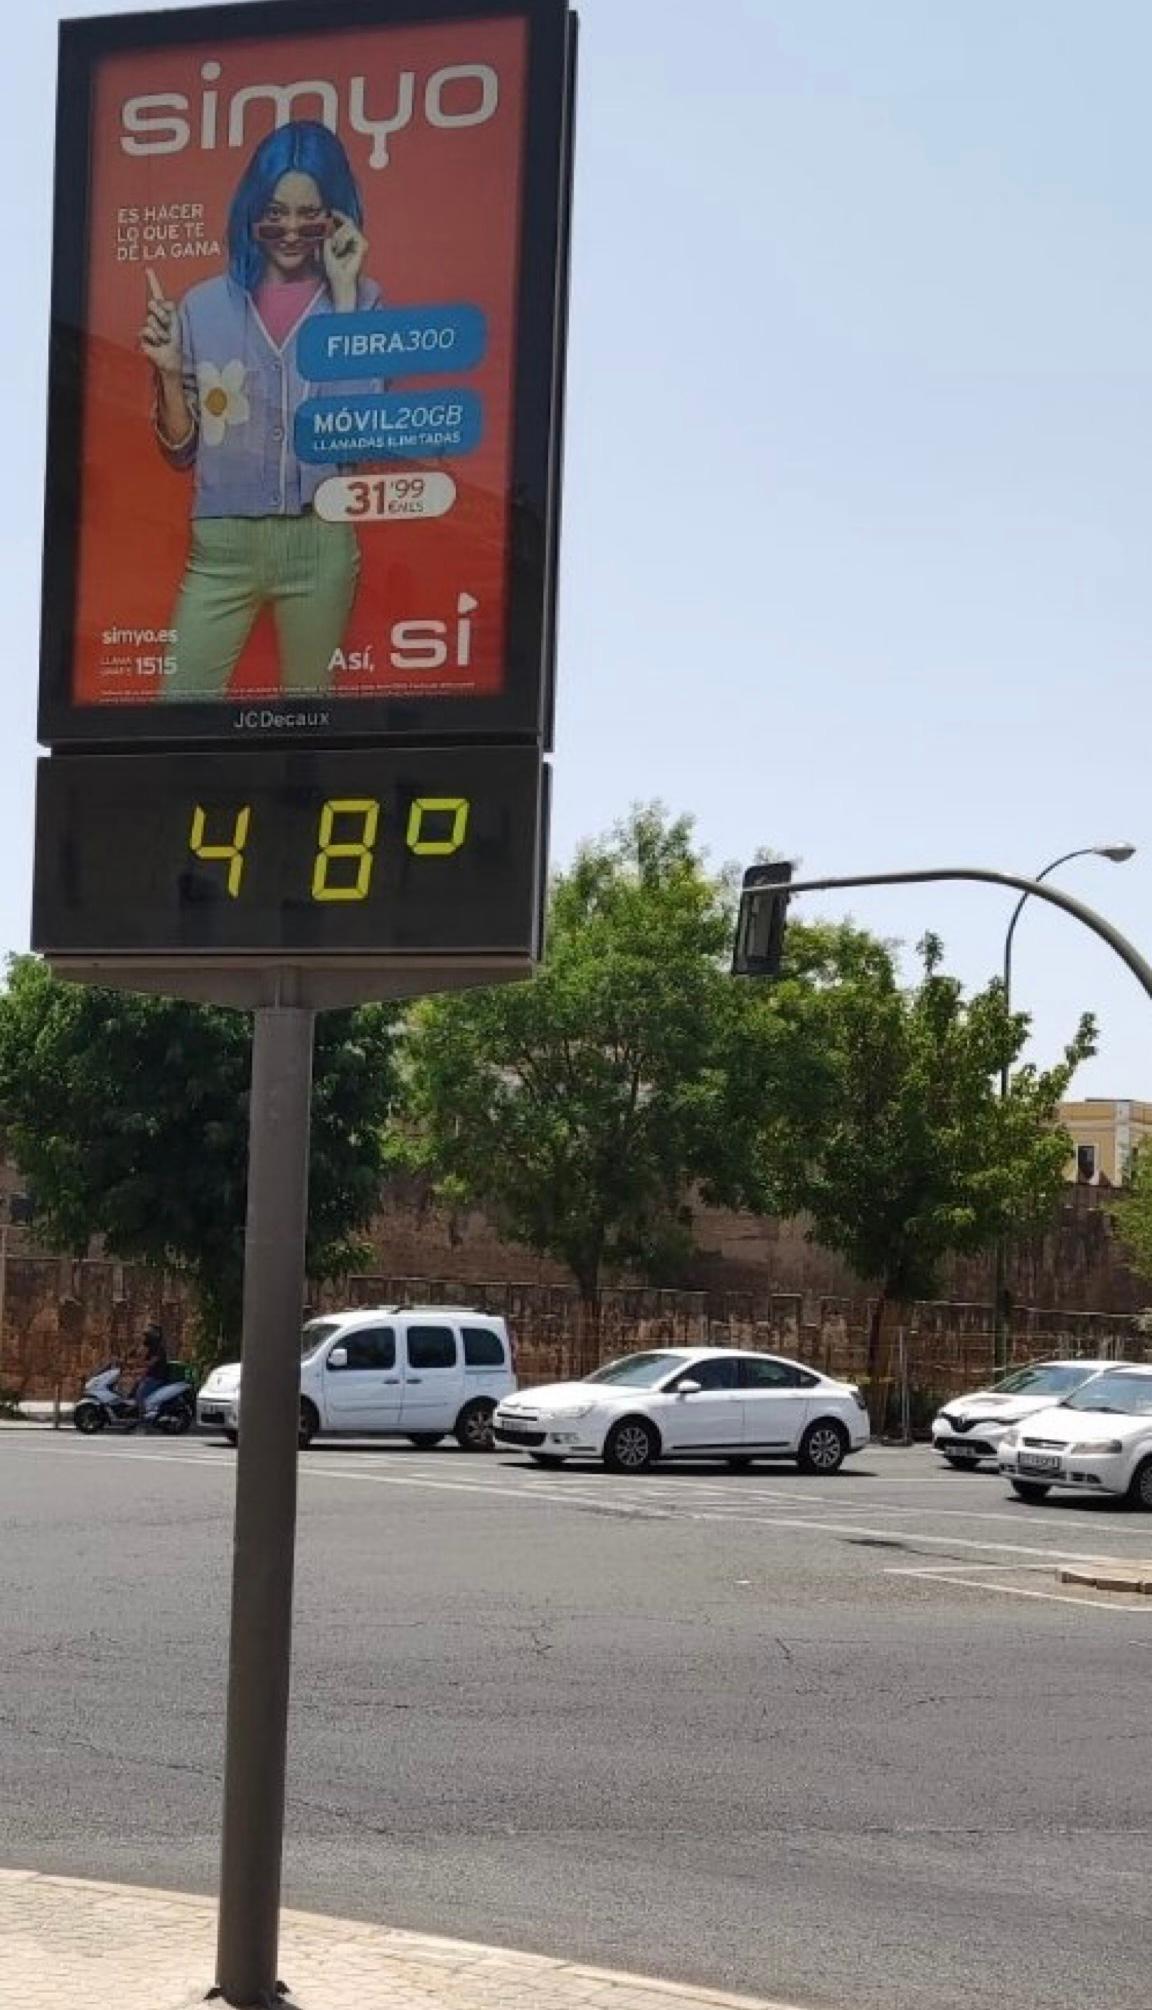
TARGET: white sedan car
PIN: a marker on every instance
(689, 1402)
(970, 1428)
(1098, 1440)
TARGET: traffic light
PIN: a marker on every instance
(759, 949)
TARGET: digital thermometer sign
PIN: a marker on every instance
(422, 852)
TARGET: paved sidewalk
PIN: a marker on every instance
(116, 1947)
(1119, 1573)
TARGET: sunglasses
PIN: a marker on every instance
(303, 233)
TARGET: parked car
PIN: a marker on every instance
(970, 1428)
(415, 1372)
(1098, 1439)
(689, 1402)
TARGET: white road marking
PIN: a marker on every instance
(667, 1488)
(187, 1458)
(1018, 1517)
(937, 1576)
(942, 1569)
(562, 1493)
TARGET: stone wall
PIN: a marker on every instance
(1076, 1263)
(63, 1320)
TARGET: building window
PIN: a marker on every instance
(1085, 1163)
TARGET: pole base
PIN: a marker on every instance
(275, 2001)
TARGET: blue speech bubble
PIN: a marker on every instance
(389, 426)
(391, 342)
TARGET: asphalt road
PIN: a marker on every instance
(840, 1741)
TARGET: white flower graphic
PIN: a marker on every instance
(223, 401)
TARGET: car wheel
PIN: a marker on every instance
(89, 1418)
(473, 1432)
(1140, 1486)
(425, 1441)
(631, 1446)
(548, 1459)
(961, 1462)
(233, 1438)
(823, 1447)
(1033, 1490)
(738, 1465)
(309, 1424)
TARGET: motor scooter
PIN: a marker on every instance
(104, 1405)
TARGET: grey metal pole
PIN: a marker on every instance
(265, 1527)
(905, 1388)
(1000, 1264)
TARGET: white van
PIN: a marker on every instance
(415, 1372)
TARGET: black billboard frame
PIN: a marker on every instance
(524, 709)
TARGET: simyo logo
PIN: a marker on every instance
(457, 96)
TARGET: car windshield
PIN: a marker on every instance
(1045, 1379)
(316, 1331)
(1122, 1395)
(637, 1371)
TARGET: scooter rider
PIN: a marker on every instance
(157, 1369)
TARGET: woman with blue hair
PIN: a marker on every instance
(227, 387)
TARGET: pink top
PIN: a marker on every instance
(281, 303)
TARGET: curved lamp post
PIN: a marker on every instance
(1119, 854)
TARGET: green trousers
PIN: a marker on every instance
(304, 569)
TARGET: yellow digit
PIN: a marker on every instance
(234, 852)
(361, 848)
(455, 806)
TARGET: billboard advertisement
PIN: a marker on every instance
(304, 400)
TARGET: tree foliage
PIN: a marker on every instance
(1132, 1214)
(581, 1108)
(903, 1153)
(587, 1110)
(128, 1117)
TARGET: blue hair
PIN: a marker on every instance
(302, 146)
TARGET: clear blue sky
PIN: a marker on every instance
(858, 526)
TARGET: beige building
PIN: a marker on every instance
(1105, 1134)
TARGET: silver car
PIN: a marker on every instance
(969, 1428)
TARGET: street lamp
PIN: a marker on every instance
(1119, 854)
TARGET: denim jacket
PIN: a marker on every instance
(244, 393)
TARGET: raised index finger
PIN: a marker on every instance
(155, 290)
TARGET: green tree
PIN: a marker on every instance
(902, 1152)
(581, 1108)
(128, 1117)
(1132, 1214)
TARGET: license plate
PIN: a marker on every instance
(513, 1430)
(1039, 1462)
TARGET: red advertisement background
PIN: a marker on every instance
(442, 222)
